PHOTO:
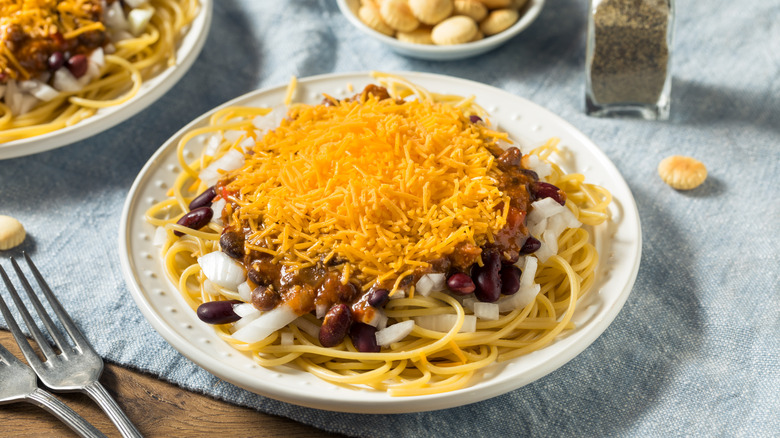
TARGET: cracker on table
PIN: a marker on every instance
(682, 173)
(11, 233)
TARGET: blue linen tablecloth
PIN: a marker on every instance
(693, 352)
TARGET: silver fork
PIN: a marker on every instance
(75, 368)
(18, 383)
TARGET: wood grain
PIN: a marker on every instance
(157, 408)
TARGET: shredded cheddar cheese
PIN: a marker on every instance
(386, 185)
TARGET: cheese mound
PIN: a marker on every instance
(387, 186)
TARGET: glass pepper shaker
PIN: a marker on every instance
(628, 58)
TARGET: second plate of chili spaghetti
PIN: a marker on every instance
(65, 76)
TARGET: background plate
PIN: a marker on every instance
(151, 90)
(619, 244)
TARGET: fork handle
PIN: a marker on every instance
(99, 394)
(67, 415)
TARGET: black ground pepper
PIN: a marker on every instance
(628, 53)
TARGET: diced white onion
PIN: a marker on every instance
(264, 122)
(382, 324)
(65, 81)
(13, 97)
(394, 333)
(520, 299)
(247, 143)
(232, 160)
(216, 208)
(308, 327)
(528, 289)
(544, 208)
(38, 89)
(211, 288)
(445, 322)
(288, 338)
(265, 324)
(212, 144)
(245, 309)
(486, 311)
(160, 237)
(135, 3)
(233, 136)
(547, 220)
(424, 286)
(97, 57)
(398, 295)
(28, 102)
(379, 320)
(45, 92)
(541, 167)
(221, 269)
(114, 17)
(321, 310)
(528, 271)
(245, 321)
(245, 291)
(138, 19)
(468, 303)
(429, 283)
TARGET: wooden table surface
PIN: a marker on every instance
(157, 408)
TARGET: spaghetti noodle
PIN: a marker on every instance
(399, 208)
(63, 60)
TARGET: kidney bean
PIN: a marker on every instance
(510, 279)
(509, 158)
(204, 199)
(510, 257)
(475, 119)
(378, 297)
(55, 61)
(542, 190)
(77, 64)
(348, 292)
(487, 278)
(364, 337)
(195, 219)
(335, 325)
(232, 243)
(218, 312)
(531, 245)
(264, 298)
(461, 284)
(263, 270)
(533, 175)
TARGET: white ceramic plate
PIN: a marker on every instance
(618, 242)
(151, 90)
(444, 53)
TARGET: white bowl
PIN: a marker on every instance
(444, 53)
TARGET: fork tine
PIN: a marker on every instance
(27, 350)
(70, 327)
(6, 355)
(54, 332)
